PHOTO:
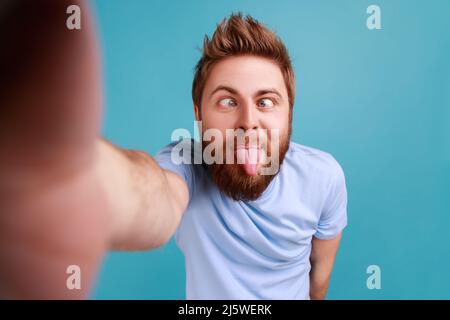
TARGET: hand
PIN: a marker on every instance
(53, 211)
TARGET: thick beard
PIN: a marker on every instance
(232, 180)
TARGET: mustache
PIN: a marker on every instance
(233, 181)
(230, 151)
(250, 138)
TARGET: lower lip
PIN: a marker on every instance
(248, 147)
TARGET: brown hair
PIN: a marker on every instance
(239, 36)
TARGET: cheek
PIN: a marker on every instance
(217, 120)
(277, 121)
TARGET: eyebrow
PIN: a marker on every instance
(225, 88)
(234, 91)
(266, 91)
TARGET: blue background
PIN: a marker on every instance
(378, 100)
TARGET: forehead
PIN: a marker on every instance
(247, 74)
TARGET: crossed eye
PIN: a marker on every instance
(228, 102)
(263, 103)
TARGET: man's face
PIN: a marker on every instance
(247, 93)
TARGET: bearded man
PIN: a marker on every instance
(265, 224)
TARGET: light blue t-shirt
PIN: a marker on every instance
(258, 249)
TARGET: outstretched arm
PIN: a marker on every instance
(66, 196)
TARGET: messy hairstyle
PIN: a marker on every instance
(241, 35)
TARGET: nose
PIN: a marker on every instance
(248, 117)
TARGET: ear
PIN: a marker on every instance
(196, 113)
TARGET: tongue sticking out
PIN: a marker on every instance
(249, 159)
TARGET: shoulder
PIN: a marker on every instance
(313, 161)
(179, 157)
(180, 152)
